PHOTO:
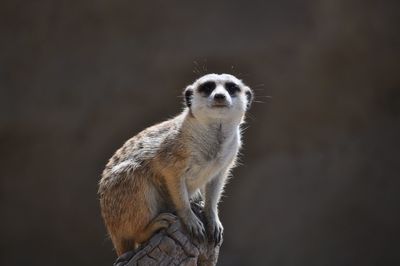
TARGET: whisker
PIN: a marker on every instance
(233, 69)
(250, 116)
(244, 128)
(264, 96)
(259, 85)
(196, 68)
(205, 65)
(244, 75)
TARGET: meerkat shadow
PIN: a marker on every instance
(174, 246)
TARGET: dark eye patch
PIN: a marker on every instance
(207, 87)
(232, 88)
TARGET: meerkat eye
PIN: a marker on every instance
(207, 87)
(232, 88)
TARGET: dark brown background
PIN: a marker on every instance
(319, 182)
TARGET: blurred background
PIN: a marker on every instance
(319, 179)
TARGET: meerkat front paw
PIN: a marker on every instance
(194, 226)
(215, 229)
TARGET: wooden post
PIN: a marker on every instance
(173, 246)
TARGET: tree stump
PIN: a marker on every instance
(174, 246)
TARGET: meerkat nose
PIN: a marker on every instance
(219, 97)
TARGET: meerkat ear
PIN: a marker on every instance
(188, 93)
(249, 96)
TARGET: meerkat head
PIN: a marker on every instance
(215, 96)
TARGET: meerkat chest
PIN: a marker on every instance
(205, 165)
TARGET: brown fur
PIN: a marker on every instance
(157, 155)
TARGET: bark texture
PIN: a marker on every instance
(173, 246)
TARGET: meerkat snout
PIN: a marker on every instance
(219, 97)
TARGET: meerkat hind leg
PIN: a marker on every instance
(162, 221)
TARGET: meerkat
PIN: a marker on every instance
(159, 171)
